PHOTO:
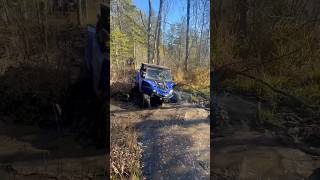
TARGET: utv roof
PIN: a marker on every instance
(155, 66)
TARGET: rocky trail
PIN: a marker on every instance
(242, 151)
(175, 139)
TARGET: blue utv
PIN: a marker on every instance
(153, 86)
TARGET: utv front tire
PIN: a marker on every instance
(176, 97)
(155, 103)
(145, 101)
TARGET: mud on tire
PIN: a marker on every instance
(145, 101)
(176, 97)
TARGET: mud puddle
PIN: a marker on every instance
(27, 152)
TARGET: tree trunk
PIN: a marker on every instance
(79, 13)
(154, 44)
(85, 9)
(195, 38)
(134, 50)
(5, 11)
(44, 24)
(179, 53)
(187, 37)
(242, 26)
(163, 34)
(180, 45)
(159, 31)
(149, 33)
(201, 33)
(243, 8)
(25, 10)
(119, 15)
(117, 56)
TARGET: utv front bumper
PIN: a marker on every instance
(165, 99)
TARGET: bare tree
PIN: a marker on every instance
(85, 9)
(44, 27)
(164, 13)
(242, 8)
(187, 37)
(119, 14)
(149, 33)
(241, 29)
(5, 11)
(159, 31)
(201, 31)
(79, 12)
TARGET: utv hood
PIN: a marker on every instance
(161, 88)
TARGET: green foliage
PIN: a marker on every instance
(119, 49)
(128, 38)
(132, 22)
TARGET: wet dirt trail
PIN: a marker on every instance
(175, 139)
(244, 152)
(31, 153)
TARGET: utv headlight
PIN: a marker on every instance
(155, 92)
(171, 91)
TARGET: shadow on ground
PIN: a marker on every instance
(36, 142)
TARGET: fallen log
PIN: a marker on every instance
(281, 92)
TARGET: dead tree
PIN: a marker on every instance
(187, 37)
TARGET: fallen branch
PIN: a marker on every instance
(276, 90)
(287, 139)
(201, 94)
(226, 66)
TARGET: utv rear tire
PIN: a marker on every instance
(146, 101)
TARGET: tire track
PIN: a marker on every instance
(175, 140)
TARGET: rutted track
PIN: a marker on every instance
(175, 139)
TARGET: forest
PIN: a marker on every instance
(42, 51)
(270, 49)
(265, 59)
(183, 46)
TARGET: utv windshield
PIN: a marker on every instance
(159, 74)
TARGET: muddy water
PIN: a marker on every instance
(31, 153)
(240, 152)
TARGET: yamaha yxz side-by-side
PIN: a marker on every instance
(154, 85)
